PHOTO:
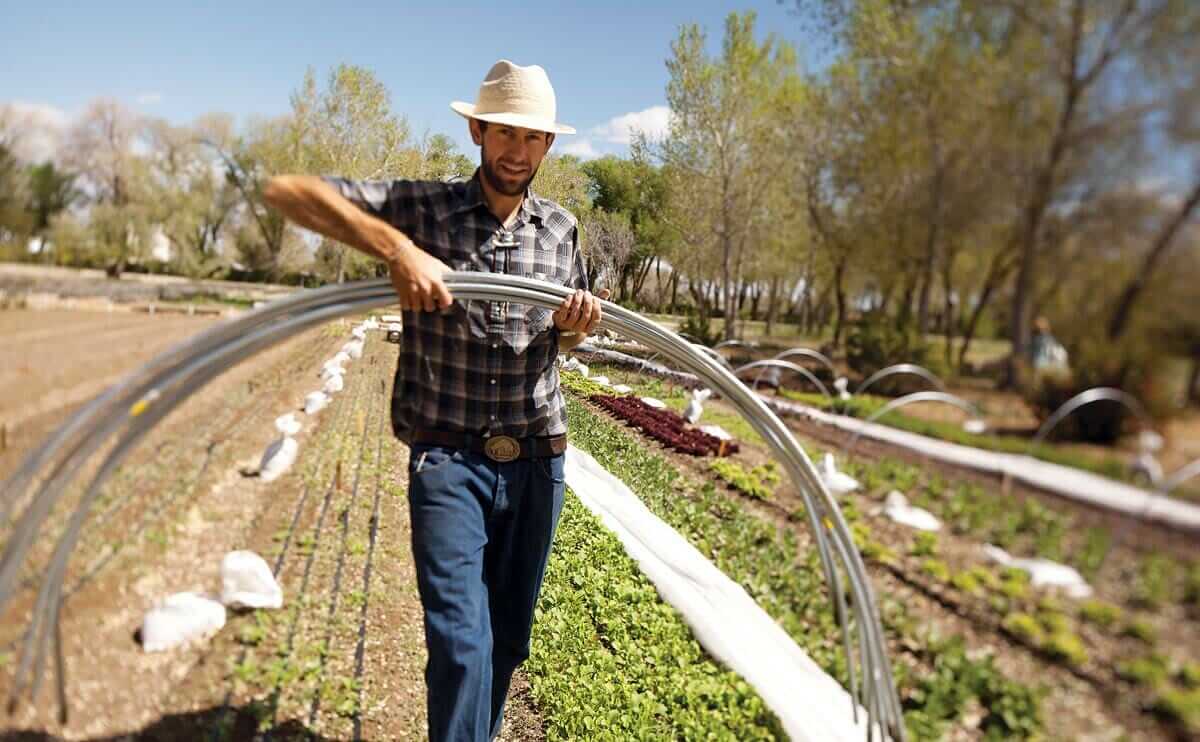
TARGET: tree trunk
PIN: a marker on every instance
(1124, 310)
(904, 313)
(756, 294)
(839, 292)
(1020, 332)
(772, 303)
(948, 310)
(995, 275)
(658, 285)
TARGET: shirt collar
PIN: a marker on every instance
(532, 207)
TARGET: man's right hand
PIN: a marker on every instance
(417, 278)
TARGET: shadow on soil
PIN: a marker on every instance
(209, 725)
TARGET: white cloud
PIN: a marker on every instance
(149, 99)
(654, 122)
(581, 148)
(36, 129)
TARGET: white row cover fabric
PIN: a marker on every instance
(331, 369)
(654, 403)
(287, 424)
(247, 582)
(727, 622)
(576, 365)
(695, 407)
(839, 483)
(1074, 484)
(334, 384)
(315, 402)
(278, 458)
(1043, 573)
(896, 508)
(180, 619)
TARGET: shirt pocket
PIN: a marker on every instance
(539, 319)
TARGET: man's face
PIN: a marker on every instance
(510, 155)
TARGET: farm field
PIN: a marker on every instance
(979, 652)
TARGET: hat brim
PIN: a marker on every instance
(467, 110)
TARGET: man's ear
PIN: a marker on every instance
(549, 140)
(476, 132)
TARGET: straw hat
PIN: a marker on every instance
(517, 96)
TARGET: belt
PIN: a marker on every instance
(500, 448)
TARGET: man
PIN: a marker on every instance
(476, 390)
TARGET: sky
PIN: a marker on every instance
(606, 60)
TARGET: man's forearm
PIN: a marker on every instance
(314, 204)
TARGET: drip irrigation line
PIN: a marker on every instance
(361, 645)
(338, 414)
(336, 590)
(310, 559)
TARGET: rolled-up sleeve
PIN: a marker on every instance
(393, 201)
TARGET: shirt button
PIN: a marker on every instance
(495, 345)
(493, 381)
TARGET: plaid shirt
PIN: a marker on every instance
(478, 367)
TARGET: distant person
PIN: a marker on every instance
(476, 391)
(1045, 352)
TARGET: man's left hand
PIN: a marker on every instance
(580, 312)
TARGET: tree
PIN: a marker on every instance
(637, 190)
(196, 197)
(726, 136)
(441, 160)
(14, 219)
(611, 242)
(102, 147)
(51, 191)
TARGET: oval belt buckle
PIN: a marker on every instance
(502, 448)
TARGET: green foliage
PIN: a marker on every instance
(790, 588)
(1091, 556)
(579, 384)
(968, 582)
(758, 483)
(1149, 670)
(877, 342)
(925, 544)
(1105, 615)
(1142, 630)
(1054, 621)
(610, 660)
(936, 569)
(1189, 674)
(1156, 574)
(1025, 628)
(1181, 706)
(699, 327)
(942, 695)
(1191, 587)
(1066, 646)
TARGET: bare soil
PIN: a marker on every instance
(344, 658)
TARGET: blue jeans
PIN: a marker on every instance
(481, 534)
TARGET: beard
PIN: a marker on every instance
(501, 184)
